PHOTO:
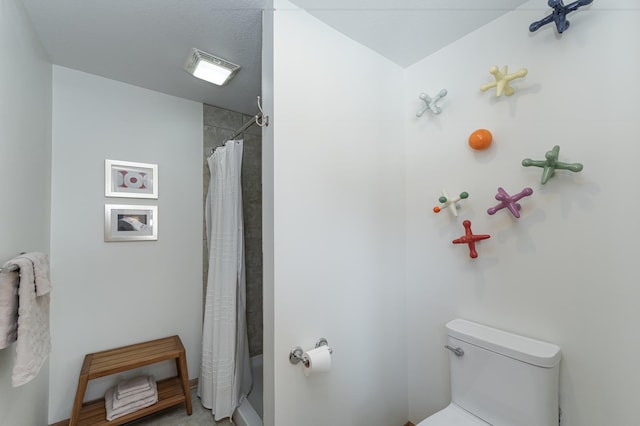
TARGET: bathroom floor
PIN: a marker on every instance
(177, 416)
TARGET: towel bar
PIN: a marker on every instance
(11, 267)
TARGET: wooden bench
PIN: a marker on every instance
(172, 391)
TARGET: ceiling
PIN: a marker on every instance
(146, 42)
(406, 31)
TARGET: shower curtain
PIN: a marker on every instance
(225, 374)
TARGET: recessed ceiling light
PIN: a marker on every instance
(209, 67)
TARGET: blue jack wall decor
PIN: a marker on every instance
(559, 14)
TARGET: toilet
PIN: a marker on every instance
(499, 379)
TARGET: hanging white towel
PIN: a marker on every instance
(40, 263)
(9, 281)
(34, 341)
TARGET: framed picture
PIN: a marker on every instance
(130, 223)
(129, 179)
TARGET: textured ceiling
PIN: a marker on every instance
(146, 42)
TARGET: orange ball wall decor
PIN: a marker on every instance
(480, 139)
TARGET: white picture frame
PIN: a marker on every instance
(123, 222)
(130, 179)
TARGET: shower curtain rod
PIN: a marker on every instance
(260, 119)
(246, 125)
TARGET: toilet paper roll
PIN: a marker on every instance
(319, 360)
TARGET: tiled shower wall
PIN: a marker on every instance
(219, 125)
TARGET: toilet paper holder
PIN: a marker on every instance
(297, 353)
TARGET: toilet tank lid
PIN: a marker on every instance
(522, 348)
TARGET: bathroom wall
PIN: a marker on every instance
(565, 271)
(219, 125)
(25, 157)
(333, 176)
(109, 294)
(268, 215)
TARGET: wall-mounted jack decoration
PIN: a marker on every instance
(559, 14)
(470, 239)
(450, 202)
(502, 80)
(550, 164)
(510, 202)
(430, 104)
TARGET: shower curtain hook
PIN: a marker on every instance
(265, 118)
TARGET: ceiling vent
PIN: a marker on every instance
(209, 67)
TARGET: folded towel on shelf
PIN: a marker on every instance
(34, 341)
(9, 281)
(130, 386)
(114, 413)
(132, 397)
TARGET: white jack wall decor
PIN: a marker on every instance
(430, 103)
(451, 202)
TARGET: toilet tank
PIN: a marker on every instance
(503, 378)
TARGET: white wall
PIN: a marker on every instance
(25, 156)
(268, 273)
(338, 223)
(566, 270)
(117, 293)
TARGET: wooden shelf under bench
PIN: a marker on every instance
(172, 391)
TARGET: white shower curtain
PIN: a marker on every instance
(225, 375)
